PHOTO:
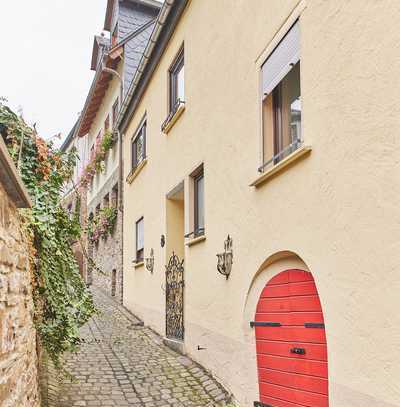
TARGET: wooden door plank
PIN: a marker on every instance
(293, 380)
(313, 351)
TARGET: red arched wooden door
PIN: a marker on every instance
(291, 343)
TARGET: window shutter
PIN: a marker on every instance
(281, 60)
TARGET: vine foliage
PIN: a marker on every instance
(98, 156)
(102, 225)
(62, 302)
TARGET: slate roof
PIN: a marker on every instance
(133, 54)
(154, 4)
(131, 18)
(135, 24)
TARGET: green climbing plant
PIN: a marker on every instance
(62, 302)
(96, 163)
(102, 225)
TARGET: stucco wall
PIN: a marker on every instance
(18, 359)
(337, 209)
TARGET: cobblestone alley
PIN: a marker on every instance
(124, 364)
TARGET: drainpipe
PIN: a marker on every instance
(120, 170)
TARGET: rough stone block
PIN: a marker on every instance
(14, 283)
(6, 255)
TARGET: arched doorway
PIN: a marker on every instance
(291, 343)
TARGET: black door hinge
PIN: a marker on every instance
(314, 325)
(254, 323)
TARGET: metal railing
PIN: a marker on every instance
(172, 113)
(196, 233)
(296, 144)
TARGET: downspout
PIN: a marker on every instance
(120, 175)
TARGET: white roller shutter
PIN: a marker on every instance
(282, 59)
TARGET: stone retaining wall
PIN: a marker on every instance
(18, 358)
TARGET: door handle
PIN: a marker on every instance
(298, 351)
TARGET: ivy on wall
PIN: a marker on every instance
(62, 302)
(102, 224)
(96, 162)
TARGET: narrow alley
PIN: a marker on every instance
(122, 363)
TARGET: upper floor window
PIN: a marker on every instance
(198, 183)
(177, 82)
(140, 240)
(281, 105)
(139, 146)
(115, 111)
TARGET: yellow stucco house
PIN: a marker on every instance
(266, 132)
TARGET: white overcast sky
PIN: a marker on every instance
(45, 58)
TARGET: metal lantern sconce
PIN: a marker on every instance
(150, 261)
(224, 265)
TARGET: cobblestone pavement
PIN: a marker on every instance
(124, 364)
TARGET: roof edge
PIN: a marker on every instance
(69, 138)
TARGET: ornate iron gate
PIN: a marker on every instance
(174, 298)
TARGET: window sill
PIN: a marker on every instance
(195, 240)
(281, 166)
(135, 172)
(138, 264)
(169, 122)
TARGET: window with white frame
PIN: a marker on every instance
(281, 103)
(140, 240)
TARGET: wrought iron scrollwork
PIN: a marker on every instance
(150, 261)
(174, 298)
(225, 259)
